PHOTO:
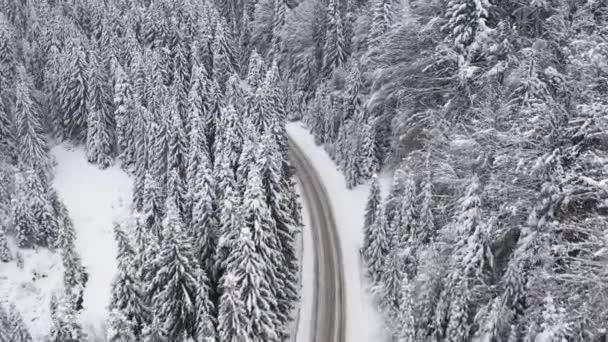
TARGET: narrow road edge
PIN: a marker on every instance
(329, 323)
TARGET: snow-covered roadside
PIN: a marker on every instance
(364, 324)
(95, 199)
(307, 279)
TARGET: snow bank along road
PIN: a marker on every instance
(329, 323)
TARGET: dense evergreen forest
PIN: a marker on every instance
(491, 114)
(494, 116)
(175, 94)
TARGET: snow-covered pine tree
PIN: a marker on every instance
(465, 19)
(266, 212)
(230, 140)
(54, 71)
(154, 332)
(335, 49)
(378, 249)
(176, 279)
(366, 153)
(4, 324)
(5, 252)
(279, 191)
(98, 140)
(315, 114)
(213, 120)
(148, 250)
(205, 311)
(372, 210)
(268, 108)
(278, 22)
(156, 81)
(406, 318)
(120, 329)
(18, 331)
(261, 26)
(177, 190)
(73, 93)
(8, 140)
(426, 221)
(197, 145)
(158, 158)
(128, 298)
(65, 325)
(181, 73)
(204, 223)
(41, 209)
(392, 206)
(224, 61)
(8, 57)
(248, 158)
(279, 116)
(199, 102)
(236, 94)
(177, 155)
(382, 19)
(292, 98)
(125, 47)
(555, 325)
(22, 218)
(75, 276)
(201, 51)
(232, 320)
(389, 286)
(353, 95)
(125, 117)
(152, 204)
(244, 44)
(229, 215)
(255, 74)
(33, 151)
(471, 257)
(100, 119)
(351, 158)
(65, 227)
(142, 142)
(138, 73)
(332, 124)
(259, 109)
(405, 222)
(16, 14)
(252, 279)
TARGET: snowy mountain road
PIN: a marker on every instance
(329, 310)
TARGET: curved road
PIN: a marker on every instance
(329, 309)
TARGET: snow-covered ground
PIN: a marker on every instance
(364, 324)
(30, 287)
(95, 199)
(307, 279)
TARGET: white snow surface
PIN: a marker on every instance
(363, 322)
(307, 280)
(30, 288)
(95, 199)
